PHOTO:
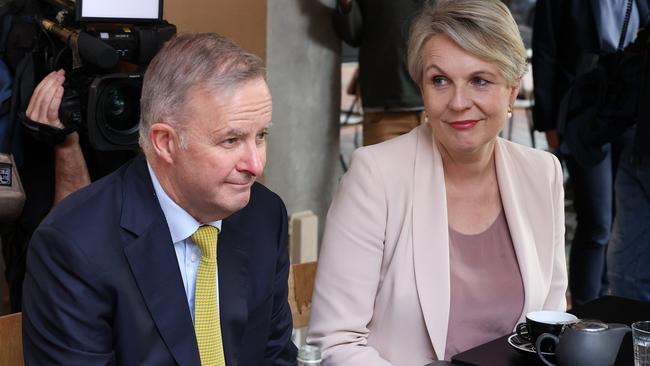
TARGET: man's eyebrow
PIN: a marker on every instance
(236, 132)
(228, 131)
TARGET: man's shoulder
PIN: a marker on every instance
(263, 196)
(87, 222)
(91, 203)
(264, 208)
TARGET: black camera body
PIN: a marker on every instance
(111, 115)
(135, 43)
(104, 62)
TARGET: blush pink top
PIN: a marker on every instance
(487, 293)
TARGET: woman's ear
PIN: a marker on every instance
(514, 91)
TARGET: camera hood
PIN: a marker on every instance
(114, 111)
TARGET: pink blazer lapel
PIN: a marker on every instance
(431, 234)
(431, 240)
(514, 197)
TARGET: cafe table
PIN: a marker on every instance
(610, 309)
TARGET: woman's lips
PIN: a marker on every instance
(464, 125)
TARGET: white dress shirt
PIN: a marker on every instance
(181, 227)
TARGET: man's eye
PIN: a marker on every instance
(229, 142)
(260, 138)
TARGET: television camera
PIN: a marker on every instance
(104, 48)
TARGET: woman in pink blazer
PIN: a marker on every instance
(444, 238)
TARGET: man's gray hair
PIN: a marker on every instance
(187, 62)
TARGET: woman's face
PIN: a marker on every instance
(466, 98)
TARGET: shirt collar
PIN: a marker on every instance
(181, 224)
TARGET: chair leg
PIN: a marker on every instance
(531, 128)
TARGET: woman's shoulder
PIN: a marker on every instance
(527, 156)
(396, 152)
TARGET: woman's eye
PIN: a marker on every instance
(480, 82)
(439, 81)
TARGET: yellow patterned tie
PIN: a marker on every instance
(206, 306)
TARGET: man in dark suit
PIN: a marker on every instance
(123, 270)
(568, 38)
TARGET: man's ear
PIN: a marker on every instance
(164, 141)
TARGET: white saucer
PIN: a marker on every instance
(524, 346)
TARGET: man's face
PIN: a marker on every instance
(225, 150)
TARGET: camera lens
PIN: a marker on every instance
(120, 107)
(116, 103)
(114, 111)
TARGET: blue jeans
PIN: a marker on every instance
(593, 202)
(629, 250)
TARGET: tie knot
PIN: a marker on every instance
(206, 238)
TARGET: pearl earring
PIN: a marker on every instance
(509, 112)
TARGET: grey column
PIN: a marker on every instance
(303, 70)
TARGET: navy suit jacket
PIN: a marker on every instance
(103, 285)
(566, 43)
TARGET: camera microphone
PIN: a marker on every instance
(90, 48)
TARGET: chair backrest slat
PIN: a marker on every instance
(11, 340)
(301, 287)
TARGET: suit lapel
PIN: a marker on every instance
(154, 265)
(642, 6)
(595, 14)
(431, 235)
(431, 240)
(232, 262)
(514, 195)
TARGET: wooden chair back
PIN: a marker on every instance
(11, 340)
(301, 287)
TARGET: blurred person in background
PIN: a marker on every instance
(391, 101)
(568, 37)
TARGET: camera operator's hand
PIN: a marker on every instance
(45, 101)
(345, 5)
(71, 172)
(553, 140)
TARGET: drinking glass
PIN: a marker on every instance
(641, 339)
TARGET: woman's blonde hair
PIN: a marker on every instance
(484, 28)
